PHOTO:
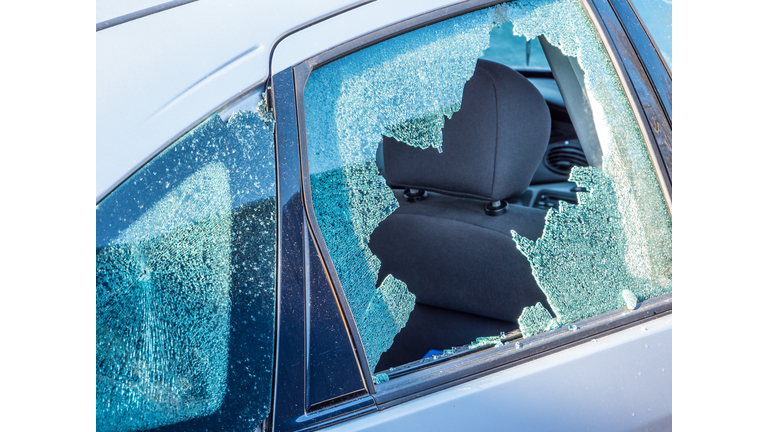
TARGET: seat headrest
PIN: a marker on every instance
(491, 146)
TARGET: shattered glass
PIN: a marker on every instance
(481, 342)
(380, 378)
(185, 255)
(536, 320)
(404, 88)
(514, 50)
(611, 250)
(619, 237)
(349, 203)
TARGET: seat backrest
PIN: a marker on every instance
(448, 251)
(491, 146)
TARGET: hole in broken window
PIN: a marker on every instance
(388, 120)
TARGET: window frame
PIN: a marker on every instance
(655, 65)
(290, 408)
(293, 177)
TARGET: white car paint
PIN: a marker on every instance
(111, 9)
(325, 35)
(158, 75)
(620, 382)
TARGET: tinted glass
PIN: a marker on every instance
(185, 284)
(657, 17)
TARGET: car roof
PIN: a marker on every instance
(160, 73)
(108, 10)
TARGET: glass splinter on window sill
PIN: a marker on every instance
(479, 344)
(515, 348)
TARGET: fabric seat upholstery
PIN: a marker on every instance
(449, 252)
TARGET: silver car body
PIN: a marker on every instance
(161, 74)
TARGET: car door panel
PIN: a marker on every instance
(386, 400)
(619, 382)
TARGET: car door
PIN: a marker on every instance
(607, 348)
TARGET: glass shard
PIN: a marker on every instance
(380, 378)
(483, 341)
(630, 299)
(350, 203)
(535, 320)
(510, 49)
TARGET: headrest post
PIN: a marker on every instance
(496, 208)
(413, 195)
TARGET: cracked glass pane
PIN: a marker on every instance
(349, 203)
(514, 50)
(185, 288)
(619, 236)
(608, 248)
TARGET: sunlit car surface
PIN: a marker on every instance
(383, 215)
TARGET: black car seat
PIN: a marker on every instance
(453, 247)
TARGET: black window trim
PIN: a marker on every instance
(647, 110)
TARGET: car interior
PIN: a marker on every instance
(506, 157)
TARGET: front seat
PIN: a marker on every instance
(453, 248)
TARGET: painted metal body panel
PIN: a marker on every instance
(339, 29)
(621, 382)
(159, 75)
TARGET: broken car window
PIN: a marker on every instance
(619, 237)
(426, 152)
(185, 288)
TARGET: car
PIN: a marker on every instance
(382, 215)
